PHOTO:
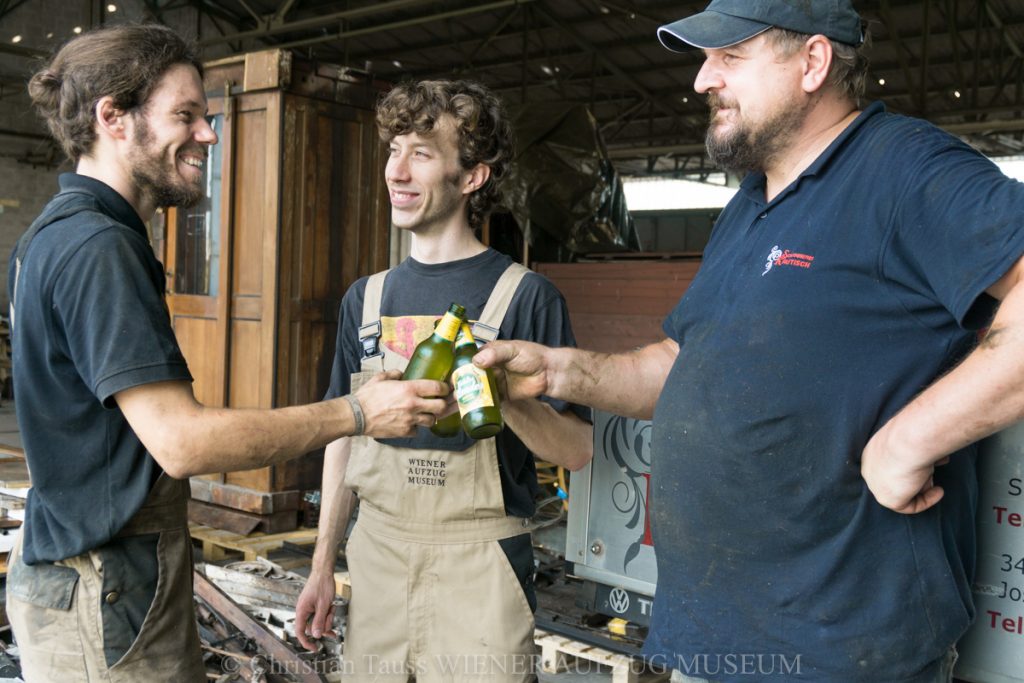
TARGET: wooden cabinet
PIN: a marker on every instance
(296, 210)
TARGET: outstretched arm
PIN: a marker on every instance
(622, 383)
(981, 396)
(187, 438)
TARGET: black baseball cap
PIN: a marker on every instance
(728, 22)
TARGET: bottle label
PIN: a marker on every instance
(472, 390)
(448, 327)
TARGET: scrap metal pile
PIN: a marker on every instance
(246, 615)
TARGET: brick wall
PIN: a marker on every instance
(619, 305)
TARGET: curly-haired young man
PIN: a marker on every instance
(440, 558)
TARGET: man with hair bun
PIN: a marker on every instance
(99, 584)
(440, 559)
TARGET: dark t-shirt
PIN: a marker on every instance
(90, 320)
(415, 295)
(815, 317)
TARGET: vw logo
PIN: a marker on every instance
(618, 600)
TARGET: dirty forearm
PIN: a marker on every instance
(188, 438)
(626, 384)
(982, 395)
(229, 439)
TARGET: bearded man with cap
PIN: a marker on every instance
(818, 396)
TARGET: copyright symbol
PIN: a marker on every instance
(230, 665)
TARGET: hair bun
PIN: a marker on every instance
(48, 79)
(44, 89)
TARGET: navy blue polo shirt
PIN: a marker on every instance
(90, 321)
(814, 318)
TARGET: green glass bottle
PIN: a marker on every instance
(448, 426)
(433, 357)
(475, 390)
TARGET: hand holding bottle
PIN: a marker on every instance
(475, 390)
(393, 408)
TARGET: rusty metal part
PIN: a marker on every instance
(267, 642)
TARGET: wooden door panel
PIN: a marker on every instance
(196, 336)
(249, 204)
(334, 230)
(246, 341)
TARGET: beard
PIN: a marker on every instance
(158, 179)
(751, 146)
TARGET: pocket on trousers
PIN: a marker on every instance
(43, 585)
(44, 615)
(131, 575)
(518, 552)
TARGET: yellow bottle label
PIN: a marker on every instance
(465, 337)
(472, 390)
(448, 327)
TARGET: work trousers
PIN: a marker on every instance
(80, 619)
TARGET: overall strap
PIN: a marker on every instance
(370, 327)
(487, 327)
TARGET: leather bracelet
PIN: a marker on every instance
(357, 414)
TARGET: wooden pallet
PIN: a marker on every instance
(218, 542)
(559, 653)
(13, 470)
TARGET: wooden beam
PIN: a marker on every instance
(607, 63)
(217, 517)
(266, 641)
(381, 8)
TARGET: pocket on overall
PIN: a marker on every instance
(42, 585)
(131, 573)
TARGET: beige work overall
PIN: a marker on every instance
(433, 594)
(55, 609)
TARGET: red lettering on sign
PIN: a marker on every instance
(1010, 625)
(1013, 518)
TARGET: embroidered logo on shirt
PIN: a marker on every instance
(779, 257)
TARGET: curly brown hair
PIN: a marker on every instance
(484, 133)
(125, 62)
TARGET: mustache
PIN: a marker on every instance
(195, 151)
(716, 102)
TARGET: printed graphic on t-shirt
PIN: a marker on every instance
(401, 334)
(785, 257)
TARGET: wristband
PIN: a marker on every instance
(357, 414)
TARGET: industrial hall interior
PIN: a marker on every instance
(500, 341)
